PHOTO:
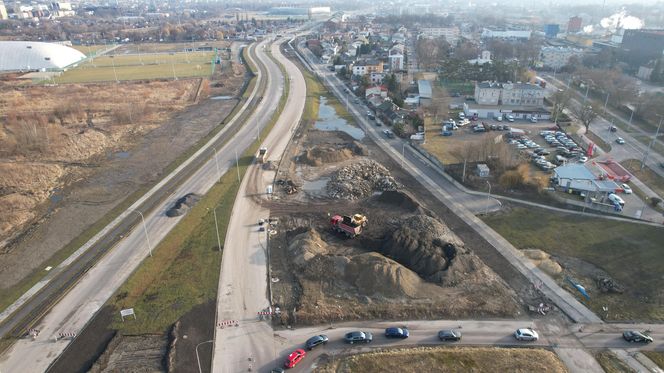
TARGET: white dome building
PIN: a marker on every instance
(33, 55)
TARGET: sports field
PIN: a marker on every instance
(140, 66)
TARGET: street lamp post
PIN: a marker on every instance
(145, 229)
(645, 157)
(216, 226)
(631, 115)
(197, 358)
(488, 198)
(237, 166)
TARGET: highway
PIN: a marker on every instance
(80, 304)
(242, 290)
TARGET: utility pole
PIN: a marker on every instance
(488, 198)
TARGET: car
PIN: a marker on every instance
(479, 129)
(462, 116)
(526, 334)
(446, 133)
(396, 333)
(500, 119)
(277, 370)
(635, 336)
(583, 159)
(620, 140)
(294, 358)
(521, 146)
(533, 119)
(512, 141)
(356, 337)
(616, 200)
(499, 127)
(315, 341)
(449, 335)
(389, 134)
(506, 127)
(492, 127)
(613, 128)
(509, 117)
(626, 188)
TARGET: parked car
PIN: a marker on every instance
(509, 117)
(583, 159)
(533, 119)
(315, 341)
(626, 188)
(462, 115)
(294, 358)
(389, 134)
(499, 118)
(620, 140)
(396, 333)
(616, 200)
(479, 129)
(447, 133)
(356, 337)
(449, 335)
(635, 336)
(526, 334)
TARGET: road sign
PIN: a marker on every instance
(127, 312)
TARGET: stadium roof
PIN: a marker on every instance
(32, 55)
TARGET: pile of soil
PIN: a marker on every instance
(544, 261)
(360, 180)
(322, 154)
(140, 353)
(183, 205)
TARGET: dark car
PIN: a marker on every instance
(449, 335)
(634, 336)
(278, 370)
(315, 341)
(356, 337)
(396, 333)
(613, 128)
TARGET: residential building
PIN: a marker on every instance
(574, 24)
(485, 57)
(379, 90)
(557, 57)
(505, 34)
(376, 78)
(396, 61)
(642, 46)
(451, 34)
(362, 68)
(425, 92)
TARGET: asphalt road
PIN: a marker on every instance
(82, 302)
(242, 291)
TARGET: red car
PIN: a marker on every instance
(294, 358)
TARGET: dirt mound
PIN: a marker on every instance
(424, 245)
(141, 353)
(398, 199)
(543, 260)
(372, 274)
(183, 205)
(305, 246)
(359, 180)
(320, 154)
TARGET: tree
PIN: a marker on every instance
(561, 101)
(586, 114)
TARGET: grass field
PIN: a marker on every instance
(460, 87)
(136, 67)
(630, 253)
(657, 357)
(442, 359)
(611, 363)
(167, 47)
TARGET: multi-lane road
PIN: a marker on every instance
(83, 300)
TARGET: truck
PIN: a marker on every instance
(260, 157)
(350, 226)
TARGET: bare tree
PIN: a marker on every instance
(586, 114)
(561, 101)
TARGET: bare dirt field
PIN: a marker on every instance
(444, 359)
(407, 263)
(73, 152)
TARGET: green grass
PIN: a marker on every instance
(11, 294)
(136, 67)
(657, 357)
(463, 88)
(630, 253)
(611, 363)
(184, 270)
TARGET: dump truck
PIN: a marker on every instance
(260, 157)
(360, 219)
(346, 225)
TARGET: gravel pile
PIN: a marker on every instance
(360, 180)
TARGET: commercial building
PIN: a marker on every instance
(557, 57)
(520, 94)
(642, 46)
(451, 34)
(30, 55)
(505, 34)
(551, 30)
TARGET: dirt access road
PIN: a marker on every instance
(242, 291)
